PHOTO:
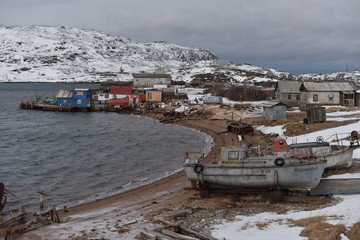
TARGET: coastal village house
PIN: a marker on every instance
(274, 111)
(153, 95)
(327, 93)
(136, 99)
(115, 92)
(151, 79)
(288, 92)
(74, 98)
(130, 100)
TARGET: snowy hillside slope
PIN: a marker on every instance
(37, 53)
(335, 76)
(63, 54)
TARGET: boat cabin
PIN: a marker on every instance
(232, 154)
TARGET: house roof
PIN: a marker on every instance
(119, 90)
(150, 75)
(64, 94)
(153, 90)
(272, 104)
(328, 86)
(82, 89)
(289, 86)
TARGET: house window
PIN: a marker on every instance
(315, 98)
(149, 95)
(289, 97)
(233, 155)
(298, 97)
(79, 101)
(79, 93)
(331, 97)
(107, 96)
(65, 101)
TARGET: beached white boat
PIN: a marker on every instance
(238, 170)
(336, 154)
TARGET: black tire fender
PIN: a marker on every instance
(279, 162)
(198, 168)
(354, 135)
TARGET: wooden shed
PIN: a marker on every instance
(274, 111)
(153, 96)
(316, 114)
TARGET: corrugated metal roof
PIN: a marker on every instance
(289, 86)
(82, 89)
(347, 92)
(271, 104)
(329, 86)
(64, 94)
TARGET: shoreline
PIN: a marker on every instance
(139, 201)
(217, 143)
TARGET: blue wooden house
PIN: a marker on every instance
(74, 98)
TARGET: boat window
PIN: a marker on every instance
(233, 155)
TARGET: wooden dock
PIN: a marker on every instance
(52, 107)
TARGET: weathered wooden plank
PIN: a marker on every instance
(178, 235)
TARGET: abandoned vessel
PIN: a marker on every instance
(336, 154)
(239, 170)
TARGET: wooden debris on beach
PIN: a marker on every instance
(25, 222)
(171, 116)
(174, 231)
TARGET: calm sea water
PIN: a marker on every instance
(77, 157)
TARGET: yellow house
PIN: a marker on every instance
(153, 96)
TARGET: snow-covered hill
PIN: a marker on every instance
(63, 54)
(335, 76)
(34, 53)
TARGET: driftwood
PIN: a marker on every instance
(156, 235)
(25, 222)
(191, 113)
(183, 231)
(177, 235)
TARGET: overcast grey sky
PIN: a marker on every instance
(299, 36)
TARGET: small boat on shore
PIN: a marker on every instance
(336, 154)
(253, 173)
